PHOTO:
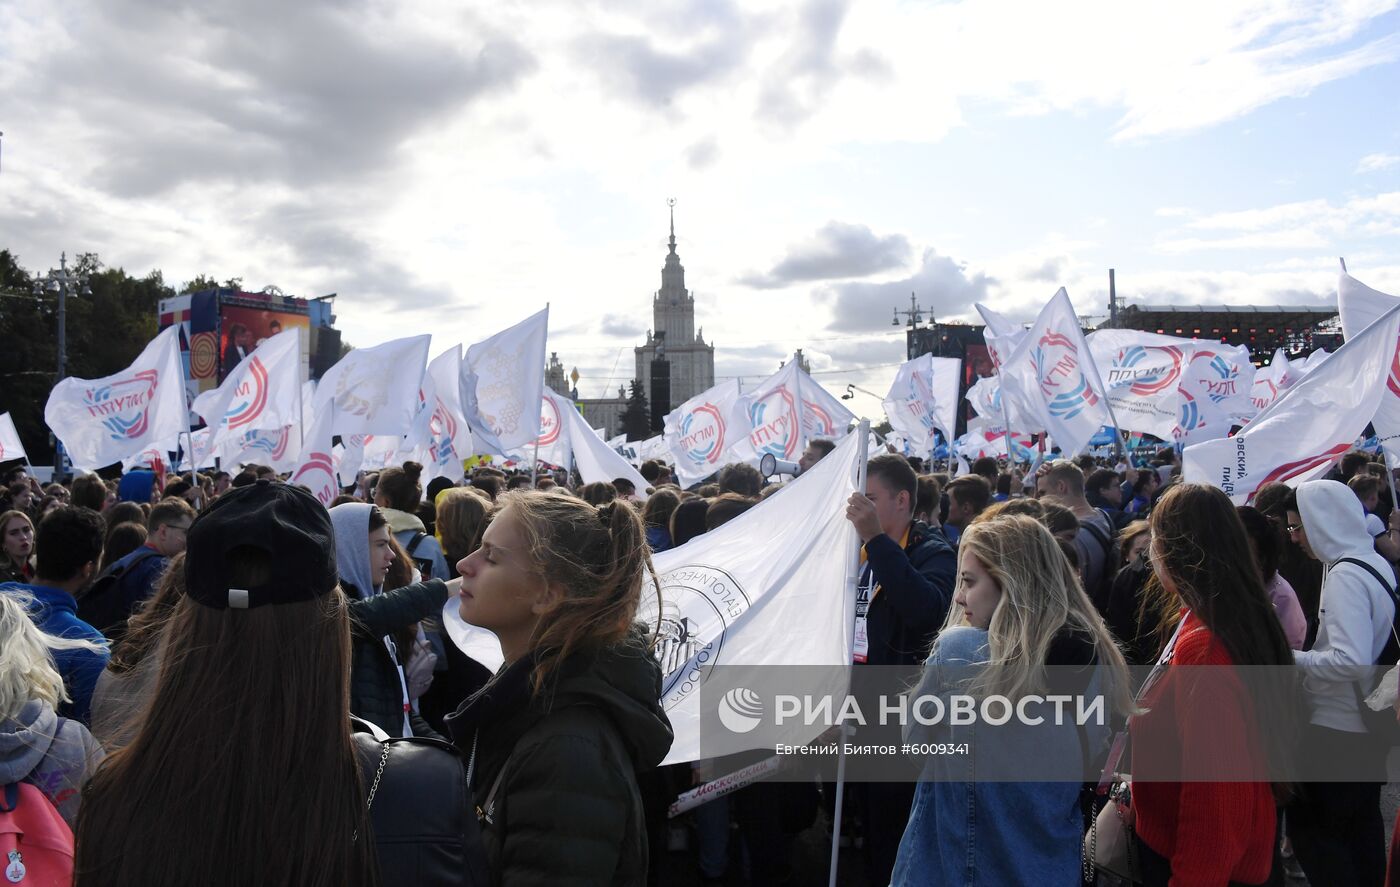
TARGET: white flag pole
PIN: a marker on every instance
(852, 575)
(303, 376)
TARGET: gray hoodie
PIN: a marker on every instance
(54, 754)
(351, 523)
(1355, 613)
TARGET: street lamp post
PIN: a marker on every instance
(59, 282)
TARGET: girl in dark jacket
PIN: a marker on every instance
(555, 740)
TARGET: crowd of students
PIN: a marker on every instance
(191, 669)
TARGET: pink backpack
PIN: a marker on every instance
(36, 845)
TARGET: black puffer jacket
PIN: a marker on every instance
(567, 810)
(375, 692)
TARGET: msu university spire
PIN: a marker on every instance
(676, 363)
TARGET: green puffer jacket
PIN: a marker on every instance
(567, 810)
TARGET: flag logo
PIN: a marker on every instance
(1222, 386)
(250, 398)
(1188, 416)
(1393, 382)
(700, 604)
(772, 429)
(1146, 369)
(817, 420)
(702, 433)
(124, 406)
(551, 424)
(1061, 377)
(442, 428)
(317, 474)
(1289, 470)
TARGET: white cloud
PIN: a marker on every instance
(454, 170)
(1309, 225)
(1377, 162)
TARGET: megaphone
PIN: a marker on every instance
(770, 465)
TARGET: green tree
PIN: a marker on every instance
(636, 418)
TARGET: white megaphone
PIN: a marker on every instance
(770, 465)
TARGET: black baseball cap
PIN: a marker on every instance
(286, 522)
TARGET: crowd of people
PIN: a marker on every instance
(213, 679)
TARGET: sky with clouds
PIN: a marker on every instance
(450, 169)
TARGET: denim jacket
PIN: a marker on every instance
(967, 832)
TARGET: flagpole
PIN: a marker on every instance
(303, 376)
(1117, 429)
(1005, 416)
(535, 464)
(852, 575)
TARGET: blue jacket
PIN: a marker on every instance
(916, 588)
(963, 832)
(54, 611)
(140, 582)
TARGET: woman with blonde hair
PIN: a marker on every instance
(1020, 627)
(556, 739)
(56, 755)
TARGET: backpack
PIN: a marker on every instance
(1103, 587)
(1380, 724)
(36, 845)
(101, 606)
(424, 564)
(421, 810)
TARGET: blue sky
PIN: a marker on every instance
(450, 169)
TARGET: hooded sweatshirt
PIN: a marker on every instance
(375, 660)
(56, 755)
(1355, 614)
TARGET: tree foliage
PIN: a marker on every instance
(106, 329)
(636, 417)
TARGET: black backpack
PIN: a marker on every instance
(1103, 586)
(421, 810)
(102, 606)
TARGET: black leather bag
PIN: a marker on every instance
(421, 810)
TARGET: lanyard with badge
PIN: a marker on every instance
(866, 589)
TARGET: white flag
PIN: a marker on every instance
(1360, 306)
(10, 445)
(101, 421)
(275, 449)
(596, 461)
(785, 412)
(702, 430)
(1003, 338)
(553, 446)
(449, 439)
(924, 396)
(500, 383)
(780, 571)
(1270, 382)
(1310, 426)
(260, 393)
(1053, 374)
(1142, 374)
(315, 470)
(1218, 382)
(985, 396)
(374, 390)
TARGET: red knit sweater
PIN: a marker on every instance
(1200, 722)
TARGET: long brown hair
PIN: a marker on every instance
(1201, 545)
(462, 516)
(598, 556)
(243, 771)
